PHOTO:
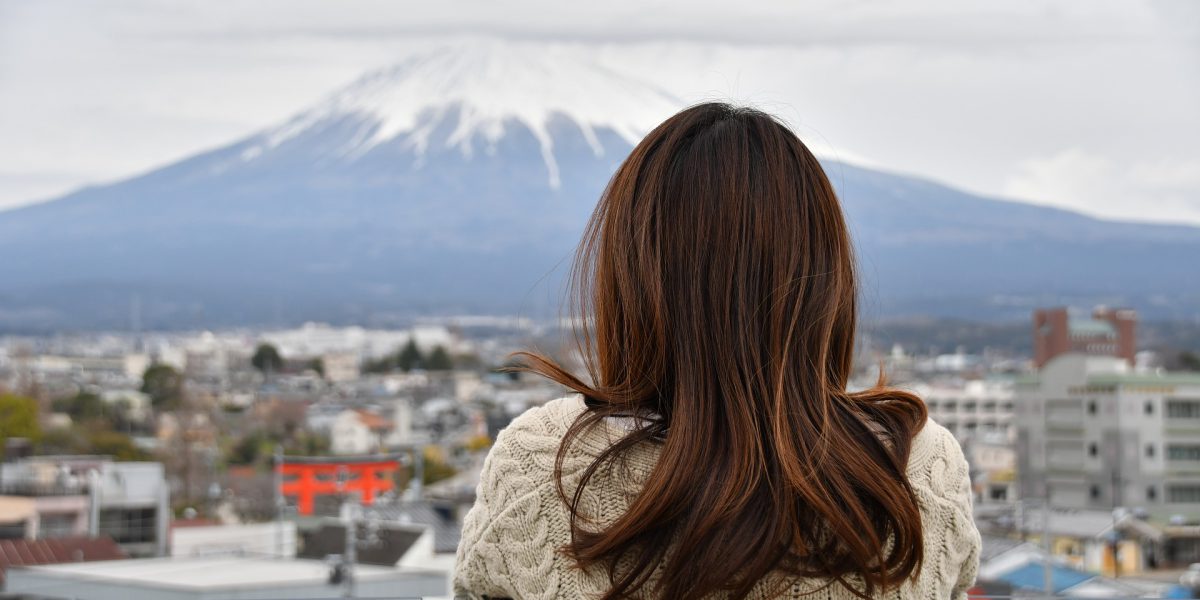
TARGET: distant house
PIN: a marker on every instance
(358, 431)
(25, 553)
(1023, 569)
(66, 496)
(1083, 539)
(340, 366)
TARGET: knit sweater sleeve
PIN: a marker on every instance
(941, 478)
(966, 535)
(504, 548)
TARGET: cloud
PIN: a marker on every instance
(975, 93)
(1152, 190)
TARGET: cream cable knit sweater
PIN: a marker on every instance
(511, 536)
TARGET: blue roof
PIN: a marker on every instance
(1032, 575)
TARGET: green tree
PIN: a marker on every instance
(381, 365)
(164, 385)
(62, 441)
(317, 365)
(114, 444)
(410, 356)
(306, 443)
(267, 359)
(1189, 361)
(19, 418)
(250, 449)
(435, 468)
(83, 406)
(439, 360)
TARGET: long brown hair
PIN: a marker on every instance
(717, 296)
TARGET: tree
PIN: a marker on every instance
(114, 444)
(381, 365)
(83, 406)
(436, 467)
(478, 443)
(318, 365)
(62, 441)
(266, 359)
(1189, 361)
(19, 417)
(250, 449)
(164, 385)
(439, 360)
(410, 356)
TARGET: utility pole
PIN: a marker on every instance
(418, 478)
(1116, 503)
(280, 501)
(350, 522)
(1047, 567)
(350, 556)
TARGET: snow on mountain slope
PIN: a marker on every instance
(492, 85)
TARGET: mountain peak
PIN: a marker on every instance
(492, 86)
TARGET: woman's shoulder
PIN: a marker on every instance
(936, 462)
(532, 439)
(540, 429)
(535, 437)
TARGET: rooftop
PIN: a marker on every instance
(22, 553)
(208, 573)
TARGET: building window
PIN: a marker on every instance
(1149, 450)
(128, 526)
(1093, 450)
(1095, 492)
(1149, 407)
(1183, 409)
(56, 525)
(1183, 493)
(1091, 407)
(1183, 452)
(12, 531)
(1151, 493)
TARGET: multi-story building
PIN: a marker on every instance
(1095, 433)
(61, 496)
(973, 410)
(1109, 332)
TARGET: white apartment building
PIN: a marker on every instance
(979, 409)
(1095, 433)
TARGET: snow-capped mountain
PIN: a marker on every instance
(473, 96)
(459, 181)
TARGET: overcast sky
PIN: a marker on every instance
(1085, 104)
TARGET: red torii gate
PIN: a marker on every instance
(306, 477)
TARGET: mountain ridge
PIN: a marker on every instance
(350, 218)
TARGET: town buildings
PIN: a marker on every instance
(63, 496)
